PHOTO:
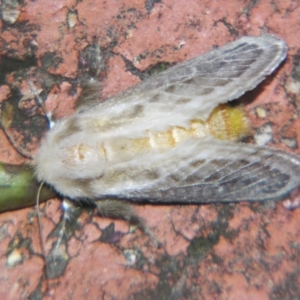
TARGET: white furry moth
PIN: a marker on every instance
(145, 144)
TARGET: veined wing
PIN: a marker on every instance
(205, 171)
(192, 89)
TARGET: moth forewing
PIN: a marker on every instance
(142, 145)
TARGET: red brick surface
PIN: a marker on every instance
(225, 251)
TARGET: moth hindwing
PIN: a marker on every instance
(151, 142)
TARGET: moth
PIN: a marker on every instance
(154, 143)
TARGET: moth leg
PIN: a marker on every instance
(293, 201)
(123, 210)
(57, 259)
(36, 94)
(97, 63)
(90, 95)
(91, 91)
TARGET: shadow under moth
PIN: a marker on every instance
(168, 140)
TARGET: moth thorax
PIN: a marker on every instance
(82, 153)
(84, 158)
(69, 161)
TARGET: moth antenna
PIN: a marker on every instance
(22, 151)
(37, 207)
(11, 139)
(48, 114)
